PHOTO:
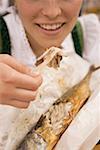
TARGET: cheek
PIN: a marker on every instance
(26, 10)
(72, 9)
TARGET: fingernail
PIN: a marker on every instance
(34, 72)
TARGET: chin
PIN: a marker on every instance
(55, 44)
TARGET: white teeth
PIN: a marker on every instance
(50, 27)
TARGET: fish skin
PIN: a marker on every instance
(43, 132)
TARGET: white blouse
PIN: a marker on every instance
(91, 30)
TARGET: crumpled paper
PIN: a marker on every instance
(71, 75)
(50, 91)
(84, 131)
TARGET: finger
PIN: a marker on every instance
(24, 95)
(15, 64)
(11, 76)
(17, 103)
(27, 82)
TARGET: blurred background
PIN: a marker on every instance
(3, 5)
(91, 6)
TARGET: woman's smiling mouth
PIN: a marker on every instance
(51, 27)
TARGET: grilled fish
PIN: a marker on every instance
(55, 121)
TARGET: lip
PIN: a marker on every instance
(50, 32)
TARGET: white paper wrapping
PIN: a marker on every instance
(72, 70)
(84, 131)
(50, 91)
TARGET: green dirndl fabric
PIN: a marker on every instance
(5, 44)
(77, 35)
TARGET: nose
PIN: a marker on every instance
(52, 10)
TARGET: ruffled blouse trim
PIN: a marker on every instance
(91, 30)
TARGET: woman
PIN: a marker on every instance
(33, 25)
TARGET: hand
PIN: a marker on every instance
(18, 85)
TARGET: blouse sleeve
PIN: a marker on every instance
(91, 31)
